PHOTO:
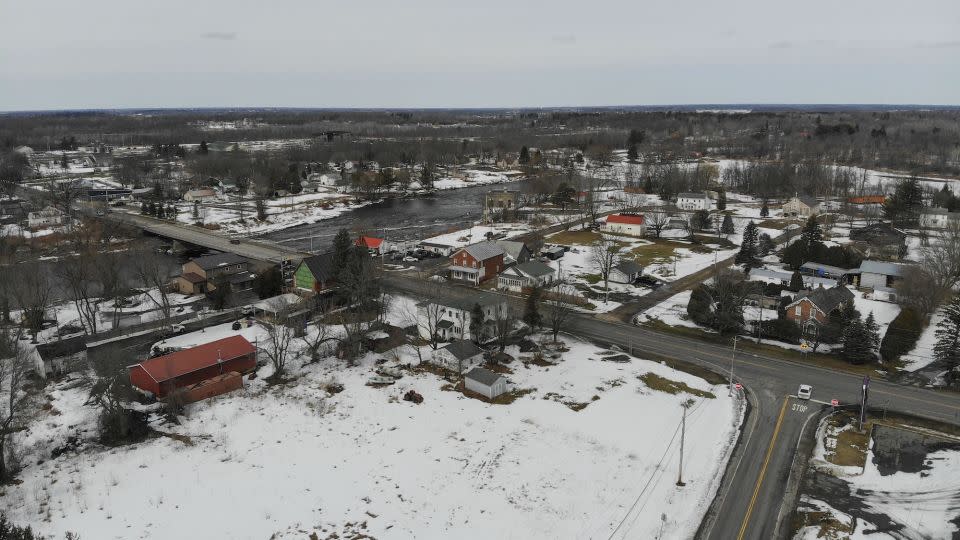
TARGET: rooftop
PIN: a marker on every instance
(171, 366)
(209, 262)
(482, 251)
(483, 376)
(463, 349)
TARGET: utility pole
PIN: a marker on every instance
(683, 430)
(733, 357)
(863, 401)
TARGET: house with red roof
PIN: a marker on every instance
(372, 244)
(195, 366)
(632, 224)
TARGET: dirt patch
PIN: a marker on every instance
(575, 406)
(185, 439)
(663, 384)
(849, 446)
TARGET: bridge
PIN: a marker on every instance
(197, 236)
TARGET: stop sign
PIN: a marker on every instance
(834, 402)
(738, 386)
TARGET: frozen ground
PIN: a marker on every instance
(291, 459)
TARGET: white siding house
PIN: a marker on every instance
(937, 218)
(48, 217)
(633, 224)
(528, 274)
(452, 317)
(694, 201)
(801, 207)
(461, 355)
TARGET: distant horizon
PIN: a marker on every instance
(686, 107)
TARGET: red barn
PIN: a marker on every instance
(163, 374)
(477, 263)
(633, 224)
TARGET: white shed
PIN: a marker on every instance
(485, 382)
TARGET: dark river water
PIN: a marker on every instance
(395, 219)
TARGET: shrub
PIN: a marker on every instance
(902, 335)
(781, 330)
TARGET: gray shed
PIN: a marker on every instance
(485, 382)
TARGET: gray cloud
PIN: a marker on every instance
(781, 45)
(565, 39)
(220, 36)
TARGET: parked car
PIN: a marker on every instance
(805, 391)
(411, 259)
(178, 329)
(234, 240)
(246, 310)
(648, 281)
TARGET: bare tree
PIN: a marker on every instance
(558, 306)
(942, 259)
(314, 342)
(605, 254)
(503, 323)
(277, 343)
(32, 292)
(428, 318)
(920, 289)
(79, 279)
(154, 273)
(656, 222)
(15, 362)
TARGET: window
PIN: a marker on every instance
(798, 311)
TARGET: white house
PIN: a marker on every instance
(48, 217)
(528, 274)
(452, 317)
(460, 356)
(203, 194)
(626, 271)
(488, 384)
(801, 207)
(694, 201)
(440, 248)
(937, 218)
(633, 224)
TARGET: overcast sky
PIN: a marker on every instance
(492, 53)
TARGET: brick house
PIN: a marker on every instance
(477, 263)
(817, 305)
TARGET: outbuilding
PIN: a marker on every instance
(488, 384)
(459, 356)
(164, 374)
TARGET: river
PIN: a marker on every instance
(395, 219)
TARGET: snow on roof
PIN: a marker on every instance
(171, 366)
(463, 349)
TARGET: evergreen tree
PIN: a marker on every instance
(524, 156)
(906, 202)
(749, 255)
(947, 348)
(476, 323)
(203, 150)
(296, 187)
(144, 209)
(700, 220)
(632, 154)
(728, 228)
(796, 281)
(856, 343)
(873, 333)
(636, 136)
(531, 313)
(161, 212)
(648, 185)
(64, 164)
(152, 209)
(764, 211)
(341, 251)
(196, 209)
(268, 283)
(426, 176)
(812, 233)
(722, 200)
(765, 245)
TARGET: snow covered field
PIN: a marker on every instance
(291, 459)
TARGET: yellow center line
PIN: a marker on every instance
(763, 469)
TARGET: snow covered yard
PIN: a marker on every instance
(566, 459)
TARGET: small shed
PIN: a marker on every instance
(485, 382)
(459, 356)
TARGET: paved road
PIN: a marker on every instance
(749, 503)
(245, 247)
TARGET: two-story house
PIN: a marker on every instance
(694, 201)
(199, 275)
(816, 306)
(477, 263)
(451, 318)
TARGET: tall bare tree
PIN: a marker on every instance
(79, 278)
(558, 306)
(605, 254)
(32, 291)
(276, 345)
(503, 323)
(15, 363)
(656, 222)
(154, 273)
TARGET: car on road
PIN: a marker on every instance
(101, 213)
(246, 310)
(804, 391)
(411, 259)
(234, 241)
(177, 329)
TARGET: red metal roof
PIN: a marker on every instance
(369, 242)
(173, 365)
(625, 219)
(868, 199)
